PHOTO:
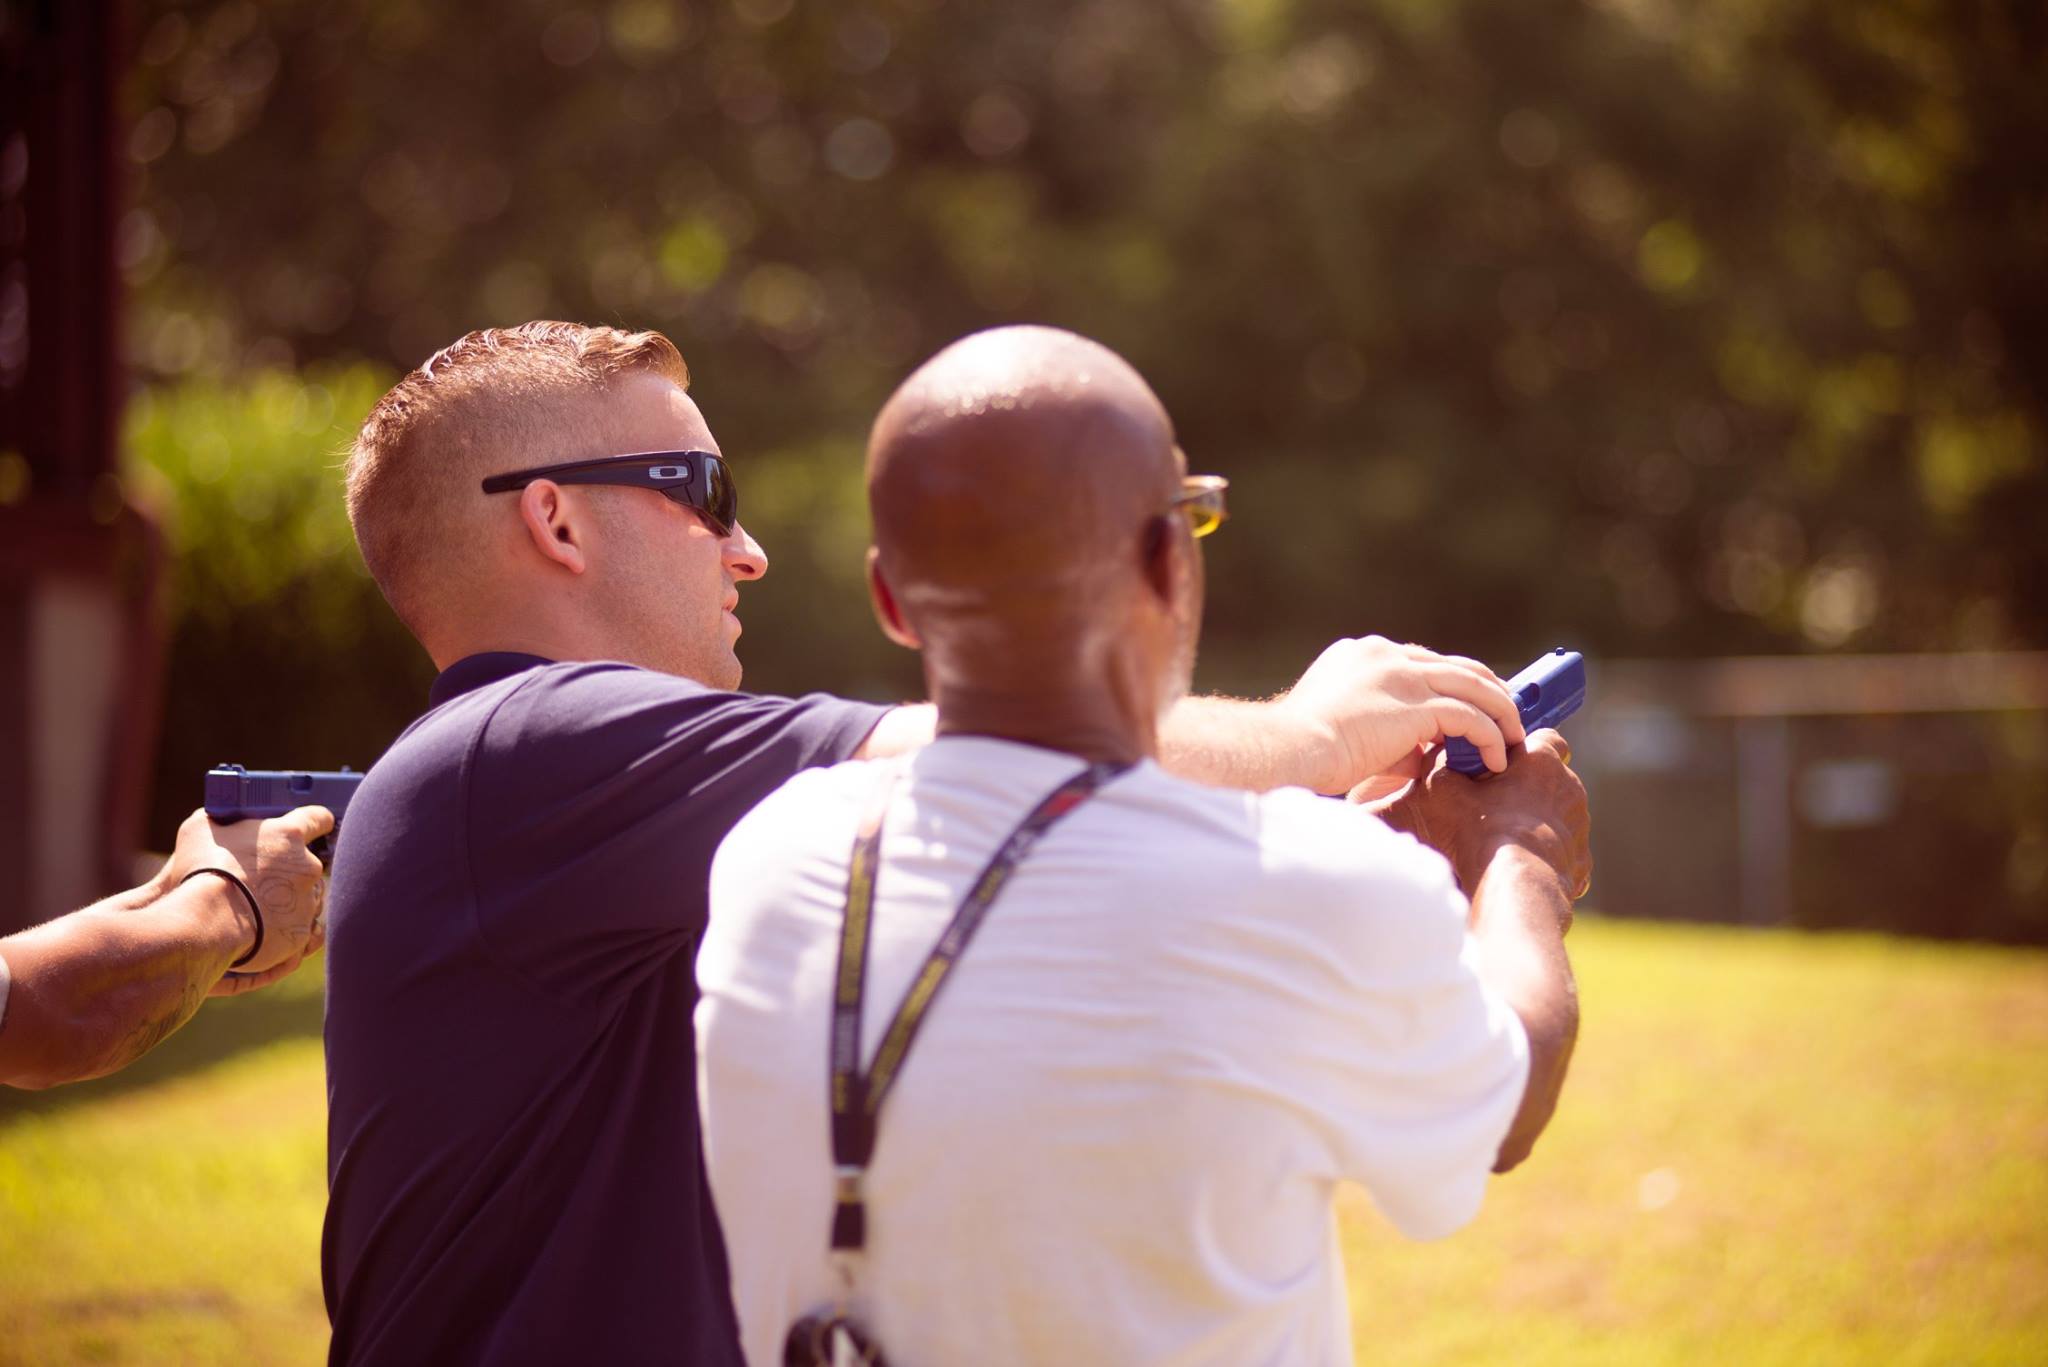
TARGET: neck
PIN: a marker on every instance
(1092, 723)
(542, 636)
(509, 644)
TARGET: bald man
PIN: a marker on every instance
(513, 1152)
(1027, 1050)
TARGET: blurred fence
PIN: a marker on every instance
(1893, 792)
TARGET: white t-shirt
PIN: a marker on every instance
(1190, 1014)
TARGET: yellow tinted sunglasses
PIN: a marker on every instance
(1201, 502)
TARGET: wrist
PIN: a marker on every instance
(1513, 849)
(1312, 746)
(1522, 854)
(142, 896)
(157, 887)
(225, 911)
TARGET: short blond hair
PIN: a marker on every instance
(502, 397)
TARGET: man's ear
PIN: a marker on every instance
(1165, 558)
(887, 610)
(556, 530)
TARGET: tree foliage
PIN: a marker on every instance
(1659, 328)
(1667, 328)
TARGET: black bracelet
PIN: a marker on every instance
(247, 896)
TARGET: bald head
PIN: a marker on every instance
(1019, 481)
(1016, 463)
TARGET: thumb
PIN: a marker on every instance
(1413, 765)
(307, 823)
(235, 984)
(1401, 812)
(1377, 787)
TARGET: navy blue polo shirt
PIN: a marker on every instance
(513, 1163)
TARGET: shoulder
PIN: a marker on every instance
(551, 703)
(584, 694)
(1361, 881)
(1339, 837)
(793, 841)
(1197, 812)
(1295, 833)
(806, 805)
(584, 752)
(594, 709)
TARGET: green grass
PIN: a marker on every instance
(1773, 1149)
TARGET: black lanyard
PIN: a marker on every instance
(856, 1097)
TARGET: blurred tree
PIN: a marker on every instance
(1670, 329)
(1658, 328)
(279, 640)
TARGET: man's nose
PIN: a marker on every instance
(744, 558)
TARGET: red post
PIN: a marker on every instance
(79, 637)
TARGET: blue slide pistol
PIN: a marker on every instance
(236, 794)
(1545, 693)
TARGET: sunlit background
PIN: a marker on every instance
(1708, 338)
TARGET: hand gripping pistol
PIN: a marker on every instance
(1545, 693)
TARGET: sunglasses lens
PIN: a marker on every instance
(722, 499)
(1204, 512)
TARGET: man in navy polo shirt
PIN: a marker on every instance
(513, 1159)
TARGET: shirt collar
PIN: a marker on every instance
(474, 671)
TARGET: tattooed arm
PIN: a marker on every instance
(91, 992)
(95, 990)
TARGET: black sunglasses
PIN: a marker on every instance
(697, 480)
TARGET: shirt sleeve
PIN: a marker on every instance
(1420, 1066)
(598, 795)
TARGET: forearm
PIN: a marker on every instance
(901, 730)
(135, 899)
(97, 989)
(1233, 743)
(1225, 742)
(1520, 912)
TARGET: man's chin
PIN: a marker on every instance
(725, 673)
(719, 673)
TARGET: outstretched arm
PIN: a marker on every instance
(95, 990)
(92, 992)
(1365, 710)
